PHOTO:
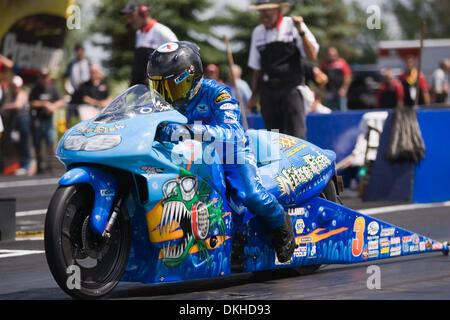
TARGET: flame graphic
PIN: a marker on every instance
(314, 237)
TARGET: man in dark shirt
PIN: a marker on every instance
(44, 100)
(339, 79)
(390, 94)
(94, 94)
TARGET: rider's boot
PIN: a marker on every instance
(283, 240)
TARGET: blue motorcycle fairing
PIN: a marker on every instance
(105, 188)
(292, 169)
(138, 151)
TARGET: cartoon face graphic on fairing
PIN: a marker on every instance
(186, 209)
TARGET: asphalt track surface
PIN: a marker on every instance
(24, 274)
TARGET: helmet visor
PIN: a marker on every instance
(174, 88)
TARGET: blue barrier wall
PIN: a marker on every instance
(427, 181)
(432, 176)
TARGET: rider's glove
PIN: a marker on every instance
(172, 132)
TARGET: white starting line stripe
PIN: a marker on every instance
(17, 253)
(28, 183)
(404, 207)
(31, 213)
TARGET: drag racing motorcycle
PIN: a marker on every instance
(131, 208)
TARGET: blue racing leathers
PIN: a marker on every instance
(214, 114)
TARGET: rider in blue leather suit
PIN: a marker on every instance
(175, 71)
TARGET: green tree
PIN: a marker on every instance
(410, 14)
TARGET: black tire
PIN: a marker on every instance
(329, 193)
(69, 242)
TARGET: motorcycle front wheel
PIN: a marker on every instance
(84, 264)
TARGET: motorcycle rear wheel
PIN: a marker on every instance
(85, 265)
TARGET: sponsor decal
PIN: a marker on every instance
(202, 108)
(145, 110)
(300, 251)
(395, 240)
(231, 115)
(296, 211)
(286, 142)
(223, 97)
(384, 250)
(291, 178)
(228, 106)
(168, 47)
(384, 242)
(151, 170)
(422, 246)
(414, 248)
(387, 232)
(99, 129)
(295, 150)
(405, 243)
(415, 238)
(306, 240)
(373, 228)
(374, 254)
(437, 246)
(396, 251)
(428, 244)
(406, 239)
(299, 226)
(372, 245)
(107, 192)
(365, 254)
(313, 252)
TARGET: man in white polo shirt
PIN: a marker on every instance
(277, 48)
(150, 34)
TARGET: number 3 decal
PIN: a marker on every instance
(358, 241)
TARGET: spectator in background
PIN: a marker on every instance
(243, 87)
(390, 94)
(150, 35)
(339, 80)
(94, 94)
(17, 108)
(44, 100)
(212, 72)
(440, 84)
(277, 48)
(6, 66)
(409, 81)
(76, 74)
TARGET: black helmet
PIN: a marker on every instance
(175, 70)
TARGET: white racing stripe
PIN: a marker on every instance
(403, 207)
(28, 183)
(17, 253)
(31, 213)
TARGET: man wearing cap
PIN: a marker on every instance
(150, 34)
(278, 44)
